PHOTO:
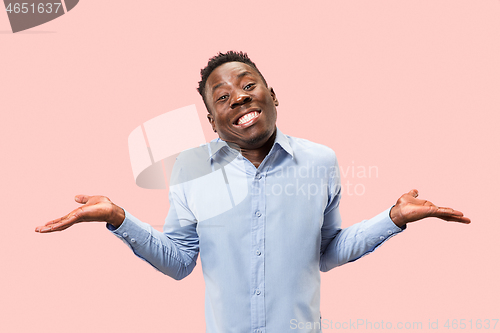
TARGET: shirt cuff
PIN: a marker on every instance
(132, 231)
(381, 228)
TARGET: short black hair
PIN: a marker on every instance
(221, 59)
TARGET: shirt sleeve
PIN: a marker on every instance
(340, 246)
(173, 252)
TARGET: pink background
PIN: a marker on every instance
(411, 87)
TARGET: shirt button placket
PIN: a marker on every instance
(258, 278)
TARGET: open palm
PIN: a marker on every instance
(95, 208)
(409, 209)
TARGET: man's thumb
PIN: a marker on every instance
(82, 198)
(413, 193)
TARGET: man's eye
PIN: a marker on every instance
(223, 97)
(248, 86)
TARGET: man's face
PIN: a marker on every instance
(242, 109)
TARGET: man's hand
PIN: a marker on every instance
(95, 208)
(409, 209)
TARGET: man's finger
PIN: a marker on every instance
(449, 214)
(62, 225)
(413, 193)
(70, 217)
(448, 211)
(55, 221)
(82, 198)
(39, 228)
(49, 226)
(45, 229)
(460, 219)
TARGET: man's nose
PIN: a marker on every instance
(240, 99)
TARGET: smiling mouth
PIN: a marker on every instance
(246, 118)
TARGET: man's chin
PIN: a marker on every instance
(259, 140)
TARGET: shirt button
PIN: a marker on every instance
(258, 331)
(382, 237)
(125, 234)
(259, 176)
(389, 232)
(257, 292)
(132, 240)
(258, 252)
(258, 214)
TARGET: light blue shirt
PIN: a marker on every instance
(263, 234)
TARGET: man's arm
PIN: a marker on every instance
(340, 246)
(174, 255)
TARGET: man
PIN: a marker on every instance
(262, 253)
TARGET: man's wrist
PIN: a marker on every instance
(117, 216)
(396, 217)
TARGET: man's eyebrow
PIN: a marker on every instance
(243, 74)
(218, 85)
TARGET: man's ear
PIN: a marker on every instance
(210, 118)
(273, 94)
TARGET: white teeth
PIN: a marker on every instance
(247, 117)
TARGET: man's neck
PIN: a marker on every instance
(256, 156)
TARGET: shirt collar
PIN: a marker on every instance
(282, 140)
(217, 144)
